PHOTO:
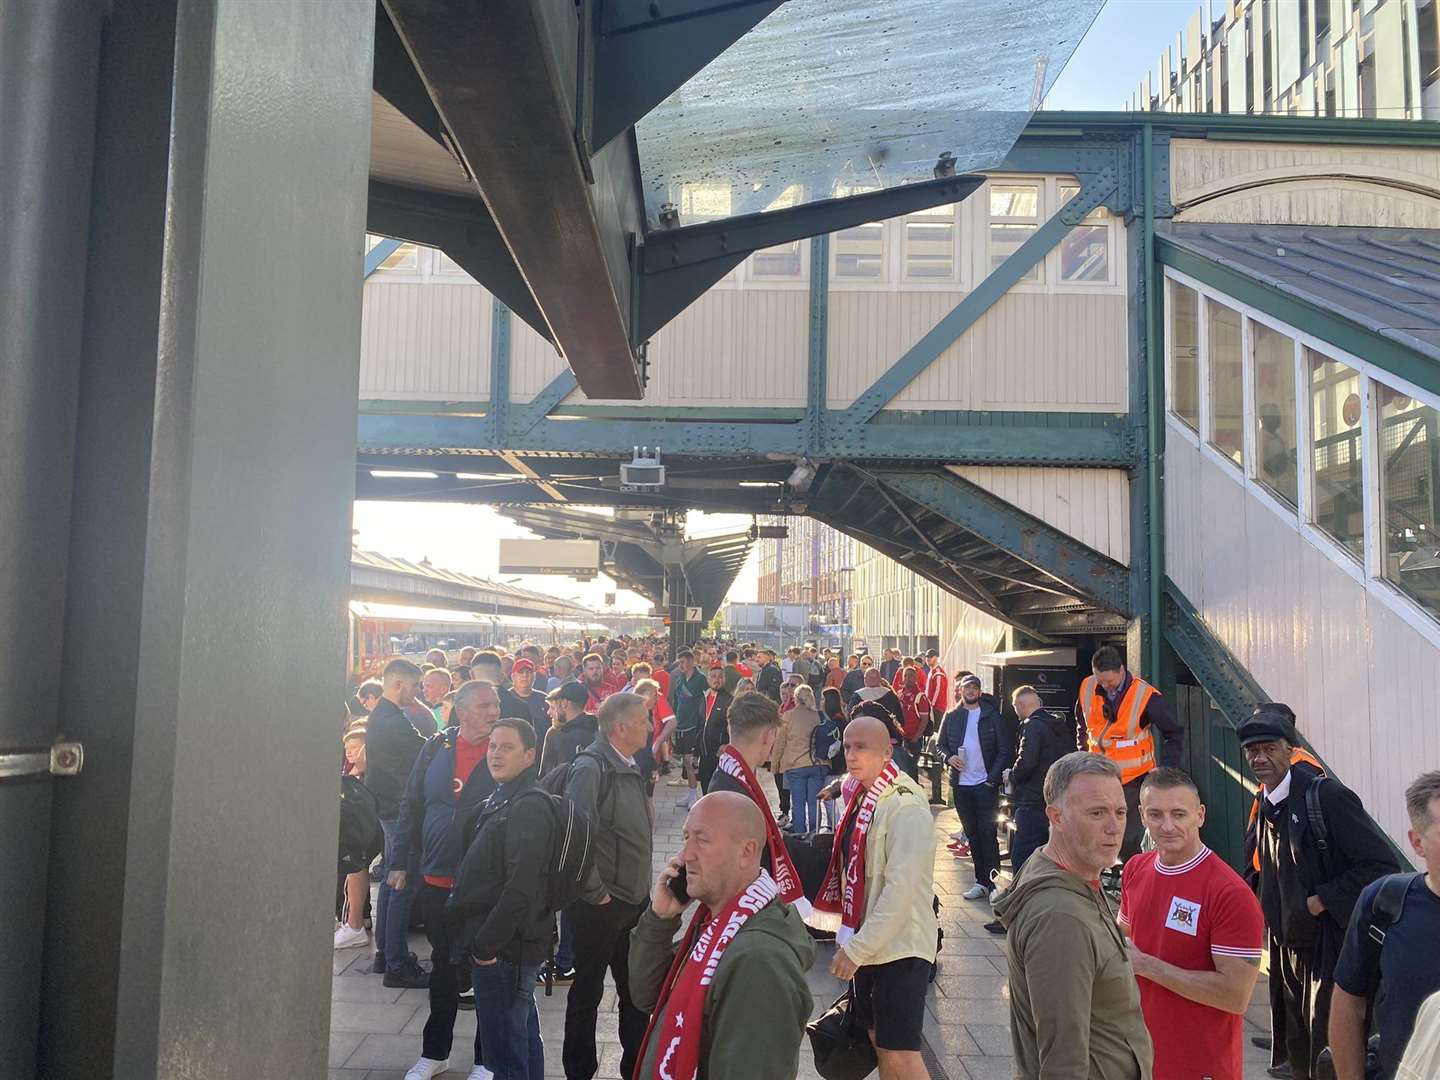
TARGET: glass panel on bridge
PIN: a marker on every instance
(1409, 448)
(1226, 382)
(828, 93)
(930, 244)
(1336, 412)
(1085, 250)
(860, 252)
(1274, 372)
(1185, 355)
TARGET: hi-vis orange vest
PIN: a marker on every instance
(1124, 742)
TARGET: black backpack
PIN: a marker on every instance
(574, 849)
(361, 837)
(824, 740)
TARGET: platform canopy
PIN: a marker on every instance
(598, 174)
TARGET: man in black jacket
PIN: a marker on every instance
(1308, 885)
(607, 787)
(768, 676)
(715, 730)
(391, 746)
(1044, 739)
(977, 749)
(576, 730)
(500, 894)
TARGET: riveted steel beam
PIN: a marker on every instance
(1081, 443)
(818, 342)
(1232, 688)
(1083, 569)
(965, 314)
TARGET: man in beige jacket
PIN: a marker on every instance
(881, 882)
(1074, 1006)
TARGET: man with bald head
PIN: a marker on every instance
(731, 1001)
(881, 885)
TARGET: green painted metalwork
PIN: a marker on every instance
(1109, 445)
(542, 403)
(499, 410)
(1081, 568)
(818, 345)
(387, 246)
(1317, 321)
(1154, 455)
(965, 314)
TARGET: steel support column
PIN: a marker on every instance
(818, 344)
(209, 545)
(497, 411)
(49, 66)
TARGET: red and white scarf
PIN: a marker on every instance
(843, 889)
(680, 1009)
(787, 879)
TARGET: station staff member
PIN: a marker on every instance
(1119, 715)
(1196, 935)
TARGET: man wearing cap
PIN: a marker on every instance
(576, 728)
(521, 699)
(1308, 883)
(976, 747)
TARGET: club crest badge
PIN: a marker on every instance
(1184, 916)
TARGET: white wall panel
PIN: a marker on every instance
(1363, 682)
(966, 635)
(423, 341)
(1092, 505)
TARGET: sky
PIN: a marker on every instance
(1125, 39)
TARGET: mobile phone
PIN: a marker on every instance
(679, 887)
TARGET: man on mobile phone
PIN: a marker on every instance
(731, 1001)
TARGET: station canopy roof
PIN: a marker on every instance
(827, 98)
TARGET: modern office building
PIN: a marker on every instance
(1349, 58)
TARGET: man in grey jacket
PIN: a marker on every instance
(607, 786)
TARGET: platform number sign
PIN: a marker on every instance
(692, 614)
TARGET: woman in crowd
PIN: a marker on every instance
(355, 889)
(793, 757)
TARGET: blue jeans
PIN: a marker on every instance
(392, 909)
(805, 785)
(509, 1025)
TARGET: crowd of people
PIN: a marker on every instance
(510, 800)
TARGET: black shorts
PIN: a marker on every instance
(686, 740)
(890, 1001)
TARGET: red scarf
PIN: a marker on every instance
(787, 880)
(682, 997)
(843, 890)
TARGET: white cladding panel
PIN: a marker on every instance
(1362, 680)
(425, 341)
(966, 635)
(1092, 505)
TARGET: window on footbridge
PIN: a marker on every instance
(1274, 375)
(1085, 251)
(1409, 452)
(1014, 218)
(1337, 445)
(1225, 429)
(1184, 374)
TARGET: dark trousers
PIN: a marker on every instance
(784, 792)
(445, 978)
(1032, 830)
(913, 748)
(975, 803)
(1300, 985)
(602, 942)
(1134, 826)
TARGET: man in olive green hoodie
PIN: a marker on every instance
(1074, 1005)
(735, 1005)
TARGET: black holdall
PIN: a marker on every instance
(842, 1050)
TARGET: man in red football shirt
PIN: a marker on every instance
(1195, 932)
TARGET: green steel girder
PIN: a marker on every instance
(1081, 439)
(498, 408)
(965, 314)
(817, 345)
(1088, 573)
(386, 247)
(1224, 678)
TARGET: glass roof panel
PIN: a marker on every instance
(830, 97)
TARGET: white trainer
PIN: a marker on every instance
(976, 892)
(425, 1068)
(480, 1072)
(350, 937)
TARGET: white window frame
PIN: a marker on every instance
(887, 279)
(1044, 182)
(1236, 470)
(1052, 257)
(958, 281)
(1190, 435)
(1367, 572)
(747, 275)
